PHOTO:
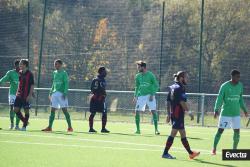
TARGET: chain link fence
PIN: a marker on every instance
(120, 106)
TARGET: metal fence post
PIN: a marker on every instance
(202, 108)
(40, 55)
(28, 36)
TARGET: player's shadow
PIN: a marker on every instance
(193, 138)
(54, 132)
(212, 163)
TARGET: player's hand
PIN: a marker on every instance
(28, 99)
(134, 99)
(191, 116)
(33, 95)
(215, 115)
(64, 97)
(246, 114)
(151, 97)
(168, 119)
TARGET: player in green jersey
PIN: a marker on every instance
(58, 95)
(146, 87)
(13, 78)
(230, 101)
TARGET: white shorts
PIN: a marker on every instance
(57, 101)
(142, 101)
(229, 122)
(12, 99)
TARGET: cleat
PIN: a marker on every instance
(213, 152)
(138, 132)
(23, 129)
(105, 130)
(92, 130)
(195, 154)
(167, 156)
(157, 132)
(70, 129)
(48, 129)
(11, 126)
(17, 127)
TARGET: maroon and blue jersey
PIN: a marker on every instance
(177, 94)
(26, 80)
(98, 89)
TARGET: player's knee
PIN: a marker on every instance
(220, 131)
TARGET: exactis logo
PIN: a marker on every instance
(233, 98)
(239, 155)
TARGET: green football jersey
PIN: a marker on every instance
(60, 82)
(11, 76)
(230, 99)
(145, 84)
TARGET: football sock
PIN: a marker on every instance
(168, 144)
(186, 145)
(67, 116)
(104, 120)
(91, 120)
(236, 139)
(217, 139)
(137, 121)
(51, 118)
(155, 121)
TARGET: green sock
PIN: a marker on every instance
(51, 119)
(236, 139)
(17, 120)
(216, 139)
(137, 121)
(67, 116)
(12, 116)
(155, 120)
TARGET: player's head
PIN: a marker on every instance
(141, 66)
(235, 76)
(16, 64)
(102, 71)
(24, 64)
(181, 77)
(58, 64)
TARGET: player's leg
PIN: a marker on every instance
(67, 116)
(236, 138)
(104, 119)
(169, 143)
(51, 120)
(26, 118)
(91, 122)
(12, 116)
(152, 107)
(140, 106)
(192, 154)
(236, 128)
(216, 140)
(17, 109)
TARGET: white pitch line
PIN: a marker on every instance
(97, 141)
(80, 146)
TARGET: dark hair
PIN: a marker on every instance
(16, 62)
(179, 75)
(141, 63)
(101, 69)
(58, 61)
(25, 62)
(235, 72)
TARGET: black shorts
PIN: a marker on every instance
(21, 103)
(97, 106)
(177, 123)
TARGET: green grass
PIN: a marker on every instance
(120, 148)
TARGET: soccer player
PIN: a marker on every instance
(12, 76)
(24, 93)
(58, 95)
(176, 108)
(146, 87)
(231, 100)
(97, 101)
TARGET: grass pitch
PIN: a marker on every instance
(120, 148)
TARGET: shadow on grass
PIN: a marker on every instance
(211, 163)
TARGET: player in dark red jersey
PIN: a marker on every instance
(24, 93)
